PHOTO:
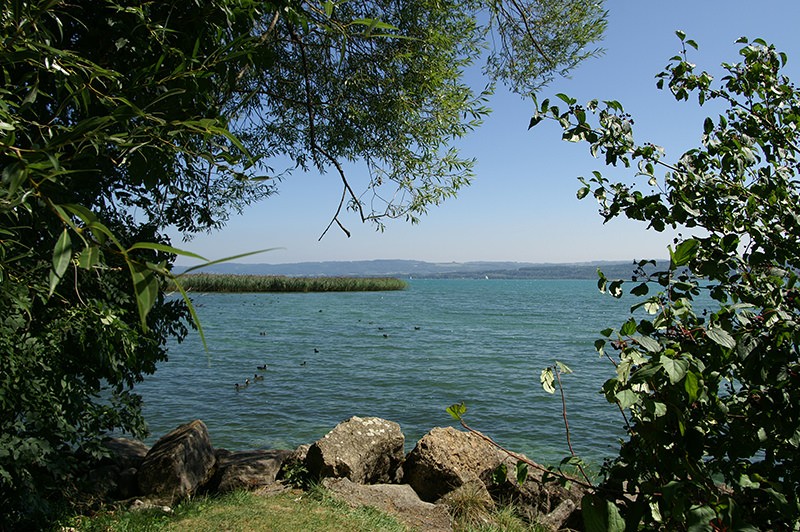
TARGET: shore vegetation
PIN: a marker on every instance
(209, 282)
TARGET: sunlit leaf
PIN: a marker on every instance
(62, 254)
(721, 337)
(547, 379)
(675, 368)
(457, 410)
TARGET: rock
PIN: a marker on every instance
(113, 477)
(399, 500)
(365, 450)
(548, 503)
(447, 458)
(247, 470)
(178, 464)
(125, 452)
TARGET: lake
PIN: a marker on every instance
(403, 356)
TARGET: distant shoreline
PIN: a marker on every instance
(405, 269)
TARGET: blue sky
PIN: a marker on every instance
(522, 204)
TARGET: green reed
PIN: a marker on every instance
(209, 282)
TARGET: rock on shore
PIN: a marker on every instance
(361, 461)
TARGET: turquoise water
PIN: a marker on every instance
(404, 356)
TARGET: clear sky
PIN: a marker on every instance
(522, 204)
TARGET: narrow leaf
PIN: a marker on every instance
(62, 253)
(145, 287)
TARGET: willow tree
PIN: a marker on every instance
(119, 118)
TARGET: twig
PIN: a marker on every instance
(566, 422)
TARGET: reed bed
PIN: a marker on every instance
(209, 282)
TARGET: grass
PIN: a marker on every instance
(287, 511)
(209, 282)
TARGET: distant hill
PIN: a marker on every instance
(429, 270)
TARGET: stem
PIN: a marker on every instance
(522, 458)
(566, 422)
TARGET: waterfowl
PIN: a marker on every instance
(257, 377)
(262, 368)
(316, 350)
(303, 363)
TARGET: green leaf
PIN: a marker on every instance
(684, 253)
(692, 385)
(700, 518)
(675, 368)
(62, 254)
(226, 259)
(547, 379)
(457, 410)
(500, 474)
(563, 368)
(522, 472)
(640, 290)
(600, 515)
(89, 257)
(145, 287)
(650, 344)
(628, 328)
(721, 337)
(166, 249)
(627, 398)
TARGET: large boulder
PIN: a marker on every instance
(248, 470)
(365, 450)
(178, 464)
(399, 500)
(446, 459)
(114, 477)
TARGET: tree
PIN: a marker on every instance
(708, 377)
(120, 118)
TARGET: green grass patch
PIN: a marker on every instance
(284, 512)
(288, 511)
(211, 282)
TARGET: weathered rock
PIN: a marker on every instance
(446, 458)
(112, 477)
(247, 470)
(399, 500)
(365, 450)
(547, 503)
(125, 452)
(178, 464)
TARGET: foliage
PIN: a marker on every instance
(205, 282)
(707, 369)
(121, 118)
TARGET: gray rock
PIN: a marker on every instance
(365, 450)
(548, 503)
(110, 479)
(125, 452)
(447, 458)
(178, 464)
(399, 500)
(248, 470)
